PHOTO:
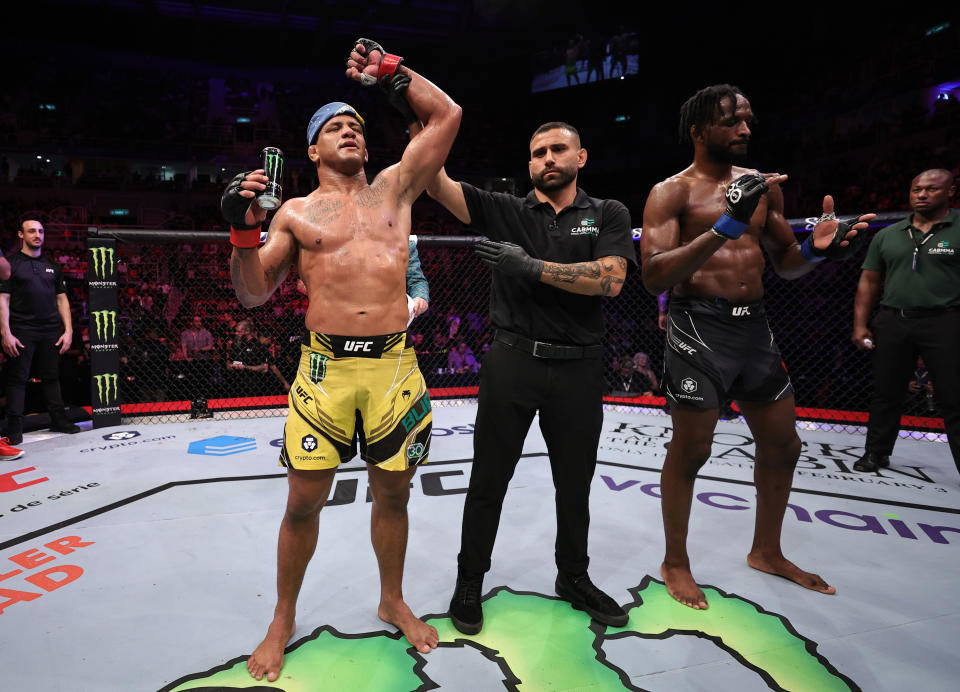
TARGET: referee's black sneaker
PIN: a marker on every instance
(584, 595)
(61, 424)
(14, 430)
(871, 462)
(465, 609)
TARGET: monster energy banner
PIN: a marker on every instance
(104, 351)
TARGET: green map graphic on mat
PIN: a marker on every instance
(541, 643)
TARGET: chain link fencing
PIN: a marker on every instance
(182, 333)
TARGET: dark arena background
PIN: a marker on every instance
(120, 124)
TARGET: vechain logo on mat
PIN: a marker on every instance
(223, 445)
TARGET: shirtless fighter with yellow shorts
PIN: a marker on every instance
(348, 241)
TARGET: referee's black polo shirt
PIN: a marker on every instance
(33, 287)
(586, 230)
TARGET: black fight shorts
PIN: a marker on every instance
(716, 349)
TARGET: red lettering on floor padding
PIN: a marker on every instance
(48, 579)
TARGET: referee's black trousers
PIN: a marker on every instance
(40, 352)
(514, 385)
(898, 342)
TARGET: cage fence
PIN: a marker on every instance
(181, 330)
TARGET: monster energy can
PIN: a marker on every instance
(270, 198)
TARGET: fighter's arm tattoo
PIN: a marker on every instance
(243, 271)
(603, 276)
(274, 274)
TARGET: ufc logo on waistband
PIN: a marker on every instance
(741, 311)
(357, 346)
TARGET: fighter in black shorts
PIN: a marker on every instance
(716, 348)
(702, 231)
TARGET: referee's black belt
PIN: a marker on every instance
(544, 349)
(921, 312)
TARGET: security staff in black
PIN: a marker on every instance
(247, 364)
(554, 255)
(915, 263)
(36, 329)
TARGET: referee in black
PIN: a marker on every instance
(554, 254)
(35, 326)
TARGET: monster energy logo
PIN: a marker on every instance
(104, 383)
(100, 257)
(273, 164)
(318, 367)
(106, 324)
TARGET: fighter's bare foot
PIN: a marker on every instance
(267, 659)
(422, 636)
(683, 588)
(782, 567)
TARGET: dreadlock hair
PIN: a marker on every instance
(701, 108)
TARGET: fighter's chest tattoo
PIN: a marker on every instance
(324, 212)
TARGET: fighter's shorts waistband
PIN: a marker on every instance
(719, 307)
(356, 346)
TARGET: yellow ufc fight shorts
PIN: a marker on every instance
(362, 391)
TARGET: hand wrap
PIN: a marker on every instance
(395, 88)
(509, 258)
(743, 195)
(234, 206)
(388, 62)
(245, 238)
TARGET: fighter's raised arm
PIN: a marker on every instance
(424, 156)
(255, 273)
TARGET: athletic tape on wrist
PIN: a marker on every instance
(249, 238)
(720, 235)
(729, 227)
(807, 250)
(388, 65)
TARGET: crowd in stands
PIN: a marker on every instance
(212, 126)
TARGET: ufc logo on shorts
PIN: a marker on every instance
(357, 346)
(302, 393)
(741, 311)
